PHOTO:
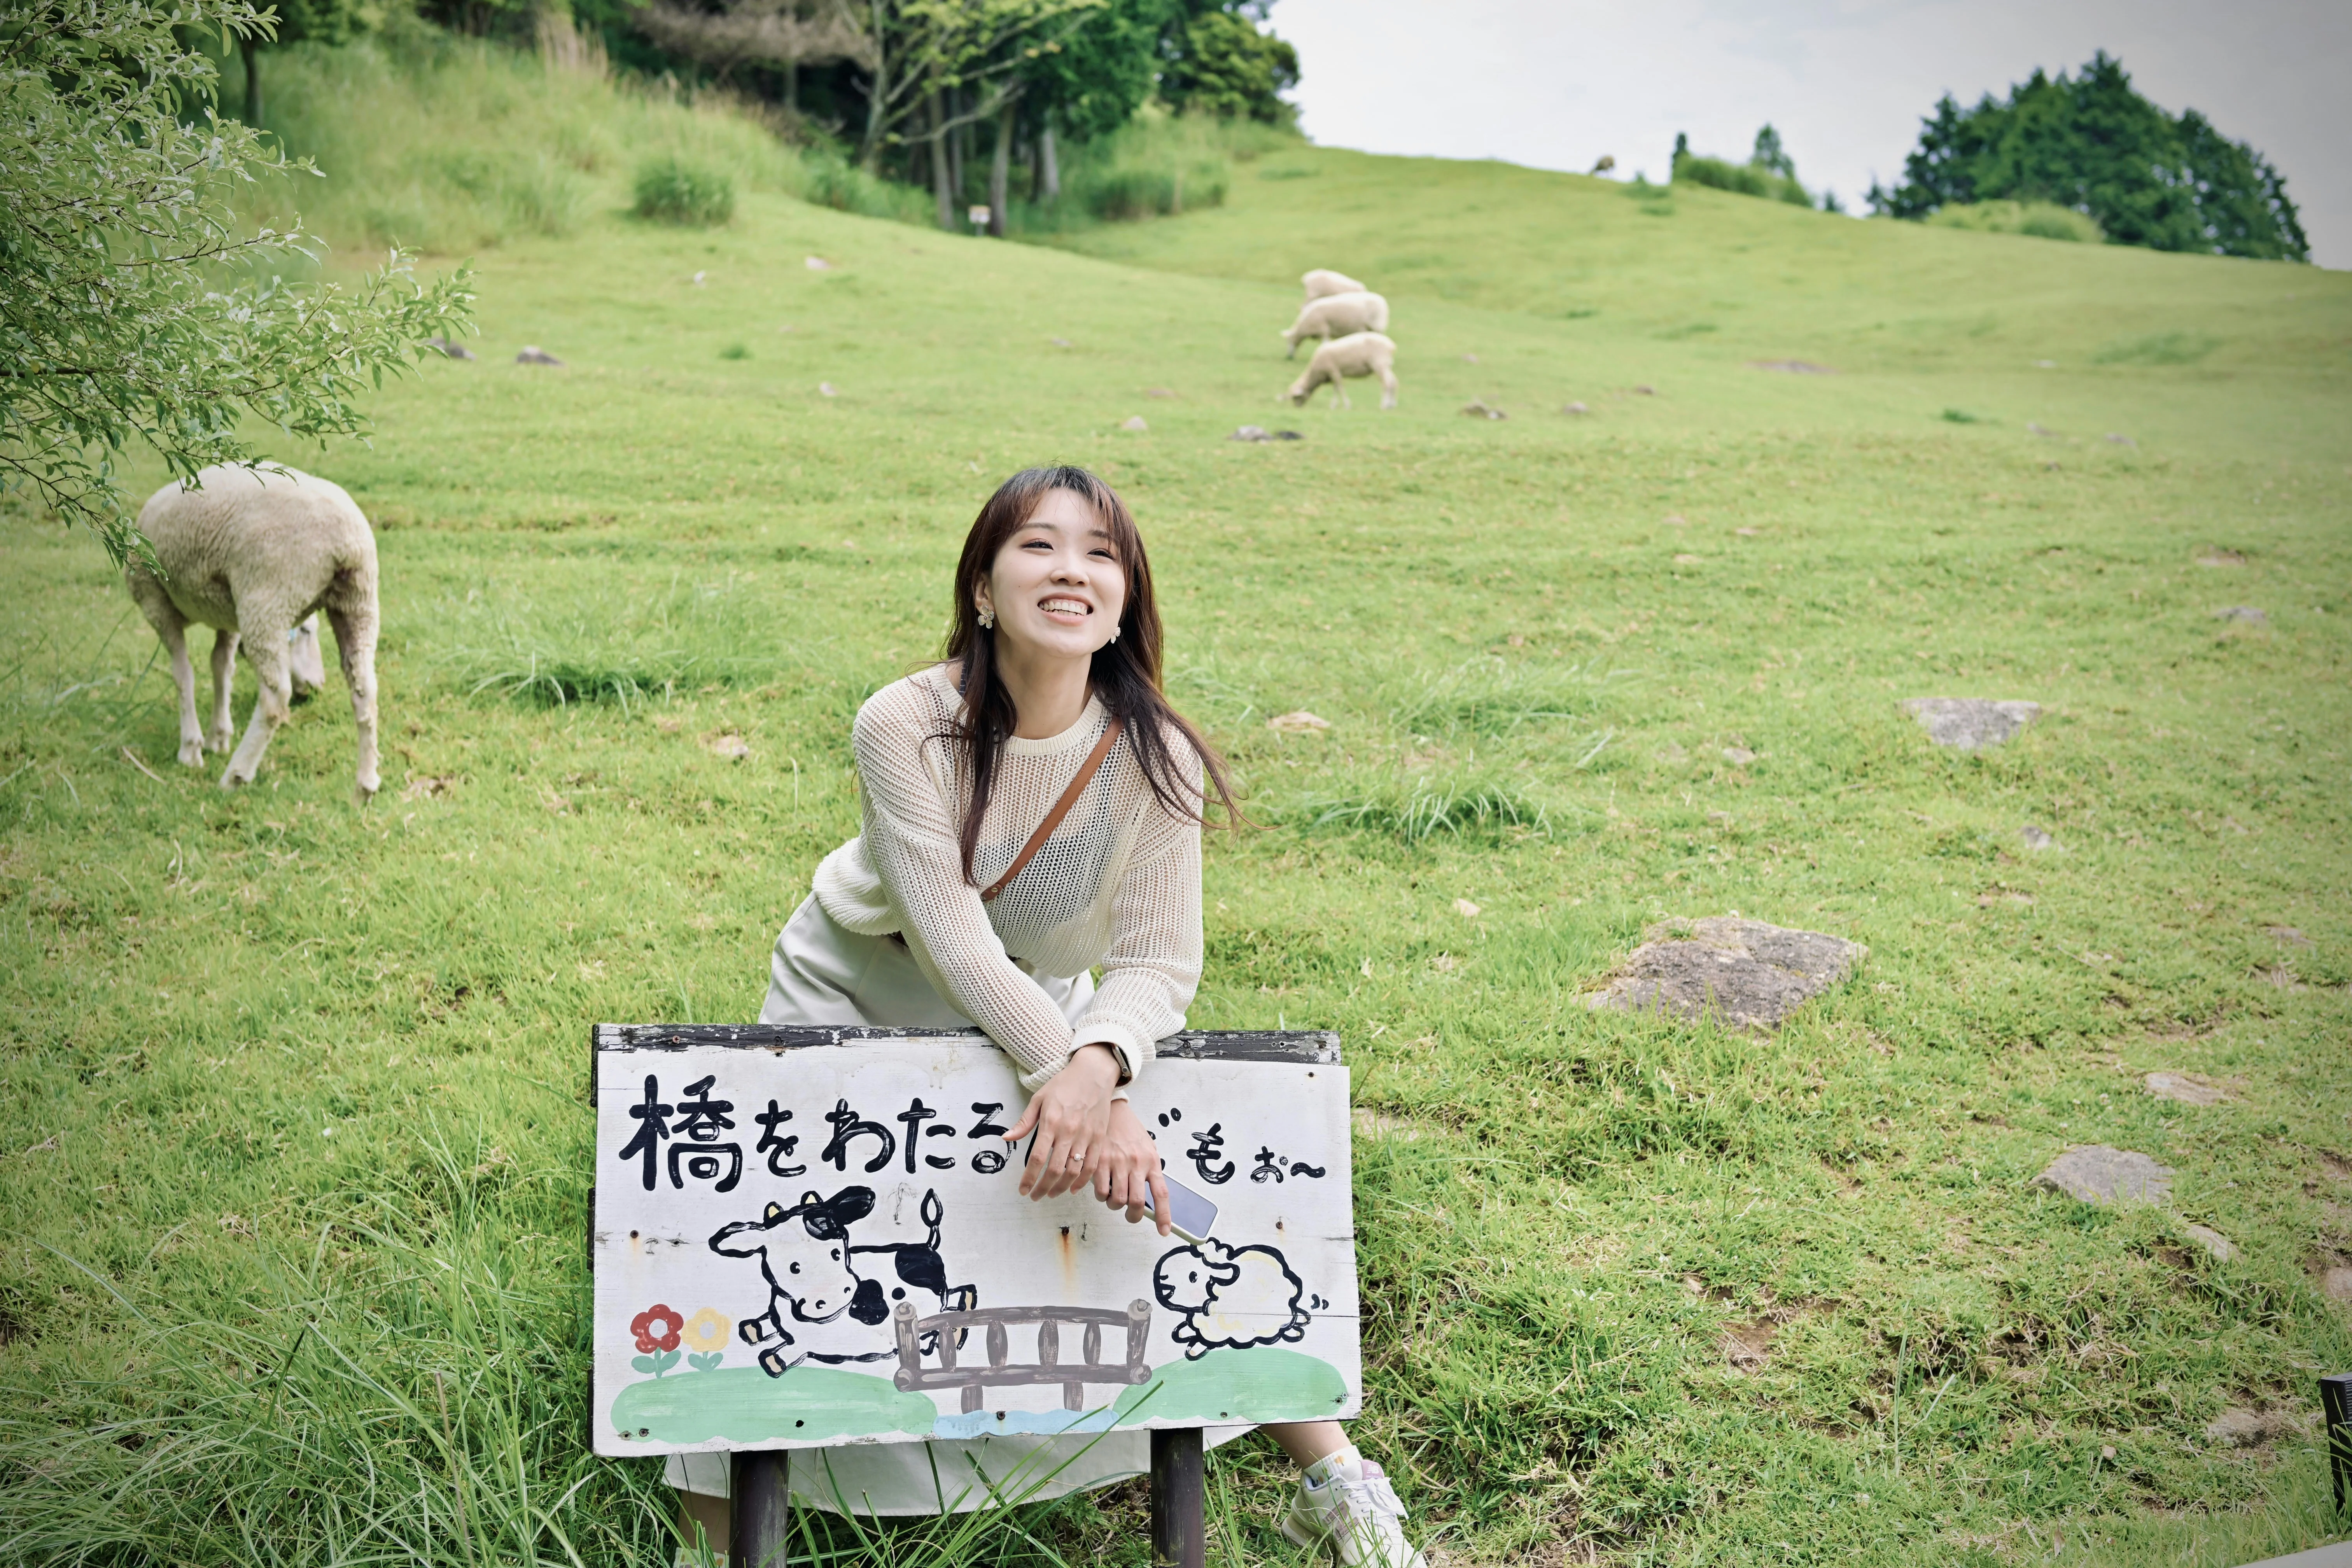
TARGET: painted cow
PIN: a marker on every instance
(820, 1308)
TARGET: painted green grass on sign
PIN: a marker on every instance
(1265, 1383)
(744, 1404)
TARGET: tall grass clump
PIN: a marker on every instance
(1462, 805)
(830, 180)
(1489, 696)
(447, 144)
(2043, 220)
(671, 189)
(614, 647)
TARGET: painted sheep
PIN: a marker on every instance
(1230, 1297)
(252, 552)
(1336, 316)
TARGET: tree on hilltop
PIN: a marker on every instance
(122, 319)
(2091, 142)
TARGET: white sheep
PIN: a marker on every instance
(252, 552)
(1323, 280)
(1230, 1295)
(1335, 316)
(1357, 354)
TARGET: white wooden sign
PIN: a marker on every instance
(808, 1238)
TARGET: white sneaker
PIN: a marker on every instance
(1355, 1513)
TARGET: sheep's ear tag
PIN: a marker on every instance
(775, 1212)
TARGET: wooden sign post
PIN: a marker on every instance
(826, 1226)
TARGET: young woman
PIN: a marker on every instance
(1052, 668)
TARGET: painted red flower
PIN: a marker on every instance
(657, 1329)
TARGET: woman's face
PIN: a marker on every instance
(1058, 587)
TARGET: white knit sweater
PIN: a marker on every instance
(1119, 883)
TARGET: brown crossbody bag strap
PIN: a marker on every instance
(1085, 775)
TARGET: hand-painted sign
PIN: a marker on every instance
(806, 1237)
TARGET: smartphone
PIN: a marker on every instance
(1190, 1216)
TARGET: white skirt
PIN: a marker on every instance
(822, 974)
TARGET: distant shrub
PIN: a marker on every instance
(1156, 165)
(833, 180)
(2043, 220)
(1961, 417)
(1742, 179)
(670, 189)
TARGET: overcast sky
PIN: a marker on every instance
(1557, 83)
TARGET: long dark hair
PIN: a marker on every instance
(1125, 673)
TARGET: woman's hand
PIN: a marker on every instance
(1071, 1115)
(1127, 1169)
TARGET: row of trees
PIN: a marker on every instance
(2091, 142)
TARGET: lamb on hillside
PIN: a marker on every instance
(1357, 354)
(1335, 316)
(252, 552)
(1322, 281)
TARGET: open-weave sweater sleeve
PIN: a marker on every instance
(1119, 885)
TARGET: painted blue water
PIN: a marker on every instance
(1043, 1422)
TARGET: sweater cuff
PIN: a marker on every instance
(1130, 1048)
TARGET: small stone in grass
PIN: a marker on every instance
(1133, 421)
(449, 349)
(1472, 359)
(2287, 934)
(1301, 722)
(1738, 756)
(1059, 342)
(1746, 973)
(828, 389)
(426, 788)
(1675, 520)
(2036, 838)
(534, 354)
(1446, 964)
(2221, 558)
(1971, 722)
(2337, 1284)
(1465, 909)
(1479, 408)
(1745, 532)
(2188, 1088)
(2094, 1173)
(1646, 391)
(1158, 392)
(2212, 1240)
(1576, 408)
(727, 744)
(1260, 433)
(1686, 559)
(2242, 613)
(818, 264)
(2121, 441)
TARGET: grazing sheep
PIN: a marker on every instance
(1335, 316)
(1358, 353)
(252, 554)
(1323, 280)
(1230, 1295)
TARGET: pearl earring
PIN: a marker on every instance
(1114, 634)
(987, 617)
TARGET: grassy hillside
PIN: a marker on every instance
(294, 1112)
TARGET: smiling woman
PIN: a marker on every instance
(1031, 810)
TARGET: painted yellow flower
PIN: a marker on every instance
(708, 1330)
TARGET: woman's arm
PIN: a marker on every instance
(1153, 967)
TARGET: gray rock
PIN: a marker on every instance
(1479, 408)
(1746, 973)
(2242, 613)
(1971, 722)
(1792, 366)
(2338, 1285)
(449, 349)
(2212, 1241)
(1260, 433)
(2037, 839)
(2094, 1173)
(1738, 756)
(534, 354)
(2121, 441)
(1575, 408)
(2188, 1088)
(2242, 1429)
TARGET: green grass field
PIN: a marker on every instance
(294, 1114)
